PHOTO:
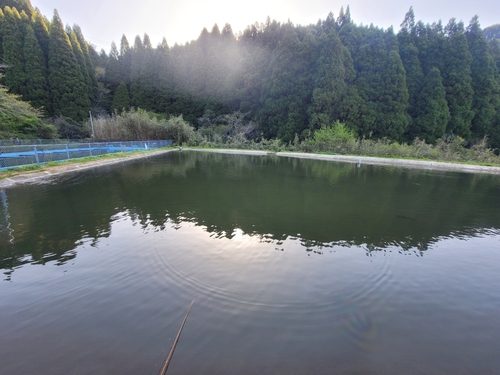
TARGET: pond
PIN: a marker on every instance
(296, 267)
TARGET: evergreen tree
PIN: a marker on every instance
(125, 59)
(13, 57)
(69, 92)
(2, 22)
(36, 89)
(431, 112)
(41, 28)
(329, 23)
(136, 68)
(144, 94)
(333, 96)
(409, 56)
(457, 80)
(121, 100)
(165, 78)
(494, 48)
(484, 84)
(288, 93)
(20, 5)
(382, 86)
(197, 72)
(227, 32)
(80, 58)
(89, 65)
(113, 75)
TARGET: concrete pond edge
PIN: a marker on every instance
(40, 176)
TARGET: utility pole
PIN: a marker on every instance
(92, 124)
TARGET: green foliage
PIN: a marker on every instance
(431, 114)
(486, 98)
(288, 80)
(69, 129)
(331, 138)
(287, 94)
(36, 88)
(13, 55)
(179, 131)
(381, 83)
(457, 80)
(69, 89)
(17, 118)
(121, 99)
(20, 5)
(334, 96)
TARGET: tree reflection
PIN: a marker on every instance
(317, 202)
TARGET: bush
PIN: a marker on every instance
(180, 131)
(142, 125)
(335, 138)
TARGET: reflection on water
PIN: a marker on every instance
(320, 203)
(297, 266)
(360, 329)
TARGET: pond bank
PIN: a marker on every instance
(51, 171)
(407, 163)
(48, 172)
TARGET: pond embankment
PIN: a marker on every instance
(52, 171)
(408, 163)
(48, 172)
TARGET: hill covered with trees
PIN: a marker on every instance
(425, 81)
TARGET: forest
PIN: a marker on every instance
(280, 81)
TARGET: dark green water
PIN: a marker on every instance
(297, 267)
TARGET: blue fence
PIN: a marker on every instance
(16, 155)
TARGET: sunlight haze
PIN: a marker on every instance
(182, 21)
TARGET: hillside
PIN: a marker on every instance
(426, 81)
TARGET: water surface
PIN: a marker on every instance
(296, 267)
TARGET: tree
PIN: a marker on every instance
(288, 93)
(89, 65)
(36, 88)
(20, 5)
(13, 57)
(17, 118)
(381, 84)
(125, 59)
(409, 57)
(113, 75)
(484, 83)
(41, 28)
(431, 111)
(121, 99)
(334, 96)
(457, 80)
(69, 91)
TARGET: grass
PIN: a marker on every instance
(11, 172)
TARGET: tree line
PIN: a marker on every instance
(427, 81)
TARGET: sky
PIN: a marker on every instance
(180, 21)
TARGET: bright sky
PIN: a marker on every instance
(180, 21)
